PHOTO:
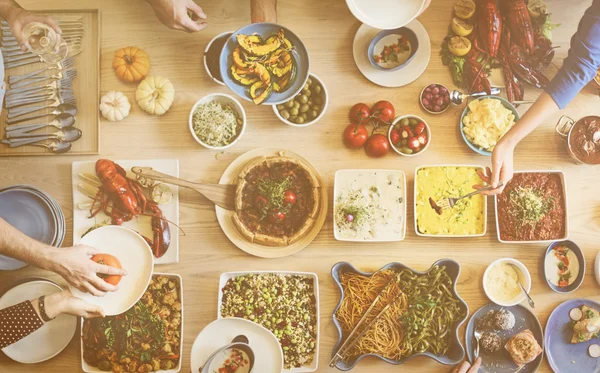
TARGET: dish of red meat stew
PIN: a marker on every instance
(532, 208)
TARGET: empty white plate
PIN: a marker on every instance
(397, 78)
(267, 352)
(49, 340)
(385, 14)
(135, 256)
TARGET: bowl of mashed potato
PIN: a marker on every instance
(485, 120)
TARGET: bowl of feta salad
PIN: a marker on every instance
(217, 121)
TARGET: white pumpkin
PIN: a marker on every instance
(114, 106)
(155, 95)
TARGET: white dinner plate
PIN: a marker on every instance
(267, 352)
(49, 340)
(141, 224)
(134, 255)
(397, 78)
(385, 14)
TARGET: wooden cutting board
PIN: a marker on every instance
(86, 86)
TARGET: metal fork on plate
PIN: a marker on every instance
(448, 203)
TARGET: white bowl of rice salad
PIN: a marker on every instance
(217, 121)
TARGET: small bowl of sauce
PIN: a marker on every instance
(564, 266)
(501, 282)
(391, 50)
(212, 53)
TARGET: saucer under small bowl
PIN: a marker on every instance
(391, 37)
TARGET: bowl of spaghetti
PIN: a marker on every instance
(399, 325)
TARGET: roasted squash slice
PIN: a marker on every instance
(243, 80)
(284, 64)
(269, 46)
(262, 73)
(238, 59)
(259, 98)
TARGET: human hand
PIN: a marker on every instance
(179, 14)
(64, 302)
(18, 17)
(465, 367)
(75, 266)
(502, 168)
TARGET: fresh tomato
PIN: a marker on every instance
(419, 128)
(111, 261)
(406, 132)
(276, 217)
(377, 146)
(394, 136)
(422, 139)
(261, 201)
(384, 111)
(289, 197)
(414, 143)
(355, 136)
(359, 113)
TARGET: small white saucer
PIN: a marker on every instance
(397, 78)
(267, 351)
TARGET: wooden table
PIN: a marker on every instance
(327, 28)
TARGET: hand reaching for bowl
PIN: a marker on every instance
(64, 302)
(466, 367)
(75, 266)
(179, 14)
(501, 171)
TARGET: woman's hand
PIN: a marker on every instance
(75, 266)
(502, 168)
(465, 367)
(179, 14)
(64, 302)
(18, 17)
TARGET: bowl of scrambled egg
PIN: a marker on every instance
(485, 120)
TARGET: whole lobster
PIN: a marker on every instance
(518, 21)
(122, 198)
(489, 25)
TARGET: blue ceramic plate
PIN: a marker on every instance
(580, 275)
(391, 36)
(563, 356)
(299, 53)
(473, 147)
(456, 352)
(500, 361)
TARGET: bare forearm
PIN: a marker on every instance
(543, 107)
(15, 244)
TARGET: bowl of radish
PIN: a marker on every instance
(409, 135)
(435, 99)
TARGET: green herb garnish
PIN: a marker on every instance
(529, 205)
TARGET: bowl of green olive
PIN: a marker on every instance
(307, 107)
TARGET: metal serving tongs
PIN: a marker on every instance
(350, 341)
(222, 195)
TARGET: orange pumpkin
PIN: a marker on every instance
(131, 64)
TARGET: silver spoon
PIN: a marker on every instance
(477, 334)
(457, 97)
(61, 121)
(56, 147)
(529, 300)
(68, 134)
(60, 109)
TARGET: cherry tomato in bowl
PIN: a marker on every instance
(111, 261)
(418, 135)
(355, 135)
(377, 145)
(289, 197)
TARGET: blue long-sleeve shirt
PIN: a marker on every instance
(582, 62)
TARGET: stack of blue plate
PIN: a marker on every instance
(34, 213)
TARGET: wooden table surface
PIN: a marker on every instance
(327, 27)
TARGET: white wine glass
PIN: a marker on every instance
(45, 42)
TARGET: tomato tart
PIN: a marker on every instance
(277, 200)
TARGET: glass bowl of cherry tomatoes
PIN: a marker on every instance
(435, 99)
(409, 135)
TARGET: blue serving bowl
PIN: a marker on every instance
(299, 53)
(402, 31)
(580, 275)
(456, 352)
(473, 147)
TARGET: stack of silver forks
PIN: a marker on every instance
(31, 94)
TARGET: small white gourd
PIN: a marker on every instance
(114, 106)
